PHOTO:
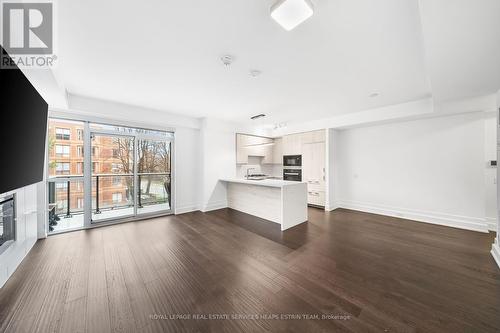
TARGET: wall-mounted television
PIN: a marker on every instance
(23, 129)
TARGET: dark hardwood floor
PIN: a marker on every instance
(374, 273)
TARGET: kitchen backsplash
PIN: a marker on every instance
(272, 170)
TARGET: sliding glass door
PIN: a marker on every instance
(112, 168)
(104, 173)
(153, 176)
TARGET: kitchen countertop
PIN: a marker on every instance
(265, 182)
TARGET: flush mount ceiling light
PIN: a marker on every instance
(374, 94)
(291, 13)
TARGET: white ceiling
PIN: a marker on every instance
(164, 54)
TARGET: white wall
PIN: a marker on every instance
(495, 249)
(26, 231)
(431, 170)
(218, 142)
(490, 176)
(187, 170)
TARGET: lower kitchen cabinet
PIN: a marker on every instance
(315, 197)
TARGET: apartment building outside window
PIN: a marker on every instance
(117, 181)
(79, 168)
(63, 133)
(116, 167)
(62, 186)
(62, 168)
(62, 150)
(117, 197)
(79, 151)
(79, 134)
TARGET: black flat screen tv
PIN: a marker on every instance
(23, 129)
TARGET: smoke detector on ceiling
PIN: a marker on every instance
(254, 72)
(227, 60)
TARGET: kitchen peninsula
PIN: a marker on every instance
(279, 201)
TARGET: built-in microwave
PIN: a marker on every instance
(292, 160)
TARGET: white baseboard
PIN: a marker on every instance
(449, 220)
(214, 206)
(186, 209)
(492, 223)
(495, 252)
(331, 207)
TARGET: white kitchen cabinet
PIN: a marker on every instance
(313, 136)
(315, 197)
(251, 145)
(292, 144)
(313, 171)
(287, 142)
(318, 136)
(241, 150)
(278, 151)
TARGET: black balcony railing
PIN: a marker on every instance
(66, 194)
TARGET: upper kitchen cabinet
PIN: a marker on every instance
(292, 144)
(251, 145)
(278, 151)
(241, 150)
(313, 137)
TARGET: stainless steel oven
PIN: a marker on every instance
(292, 174)
(292, 161)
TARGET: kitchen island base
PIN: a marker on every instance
(281, 202)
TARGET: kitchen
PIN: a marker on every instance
(278, 178)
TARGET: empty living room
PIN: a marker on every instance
(249, 166)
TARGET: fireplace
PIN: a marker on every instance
(7, 220)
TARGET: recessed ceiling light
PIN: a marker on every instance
(257, 116)
(374, 94)
(255, 73)
(291, 13)
(280, 125)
